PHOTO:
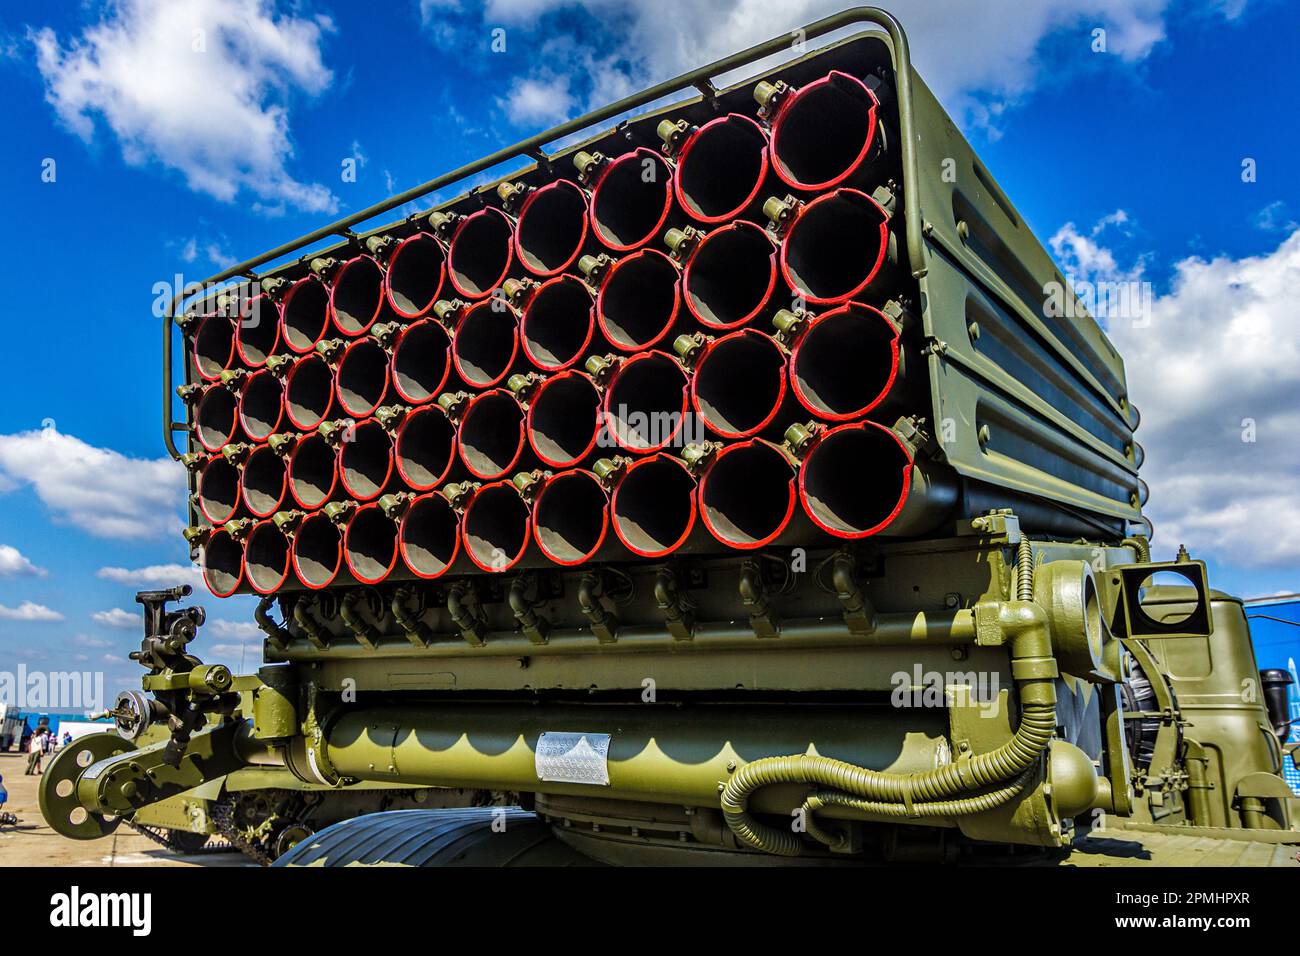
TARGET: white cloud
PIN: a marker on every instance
(236, 629)
(85, 640)
(978, 58)
(13, 563)
(29, 611)
(116, 617)
(155, 575)
(211, 251)
(202, 87)
(98, 490)
(538, 101)
(1215, 372)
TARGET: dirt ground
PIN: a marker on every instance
(32, 843)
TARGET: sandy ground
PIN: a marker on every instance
(32, 843)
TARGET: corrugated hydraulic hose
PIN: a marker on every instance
(918, 794)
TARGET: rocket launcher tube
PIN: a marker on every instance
(366, 465)
(356, 295)
(417, 268)
(370, 543)
(267, 557)
(749, 498)
(264, 480)
(421, 362)
(646, 401)
(425, 449)
(729, 274)
(639, 298)
(738, 386)
(631, 196)
(722, 167)
(429, 535)
(653, 504)
(491, 436)
(257, 330)
(557, 321)
(317, 550)
(362, 377)
(564, 418)
(261, 405)
(844, 362)
(313, 471)
(836, 246)
(495, 526)
(304, 314)
(214, 346)
(309, 391)
(571, 519)
(552, 226)
(479, 249)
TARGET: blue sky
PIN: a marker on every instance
(177, 152)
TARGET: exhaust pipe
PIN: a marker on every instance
(835, 246)
(556, 322)
(564, 413)
(267, 557)
(429, 535)
(222, 558)
(264, 478)
(318, 547)
(313, 470)
(639, 297)
(722, 166)
(361, 374)
(214, 347)
(551, 228)
(356, 292)
(216, 415)
(417, 267)
(571, 518)
(827, 133)
(216, 488)
(645, 401)
(365, 458)
(484, 339)
(495, 526)
(738, 388)
(309, 391)
(491, 434)
(304, 314)
(479, 249)
(261, 403)
(844, 362)
(370, 543)
(421, 358)
(425, 449)
(653, 503)
(729, 274)
(631, 196)
(861, 479)
(748, 497)
(257, 330)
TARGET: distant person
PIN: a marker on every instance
(51, 740)
(67, 737)
(6, 819)
(35, 750)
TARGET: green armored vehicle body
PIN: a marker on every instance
(741, 484)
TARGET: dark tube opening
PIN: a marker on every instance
(215, 417)
(305, 314)
(823, 132)
(845, 362)
(421, 361)
(552, 227)
(731, 276)
(563, 419)
(645, 403)
(654, 506)
(426, 445)
(218, 490)
(265, 481)
(496, 527)
(223, 564)
(370, 544)
(834, 248)
(854, 480)
(313, 469)
(214, 346)
(486, 342)
(358, 294)
(258, 330)
(266, 559)
(362, 377)
(557, 325)
(366, 461)
(571, 517)
(740, 383)
(631, 200)
(317, 551)
(415, 272)
(430, 536)
(492, 434)
(261, 405)
(722, 168)
(309, 392)
(639, 300)
(747, 494)
(480, 253)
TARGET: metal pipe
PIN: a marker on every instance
(845, 361)
(425, 449)
(429, 535)
(835, 246)
(571, 518)
(551, 229)
(317, 551)
(264, 480)
(729, 275)
(309, 391)
(214, 347)
(313, 471)
(356, 293)
(304, 314)
(653, 505)
(266, 557)
(417, 267)
(631, 196)
(479, 249)
(257, 330)
(738, 387)
(222, 559)
(485, 344)
(216, 416)
(639, 298)
(216, 489)
(421, 362)
(261, 405)
(557, 322)
(564, 418)
(491, 438)
(366, 461)
(645, 406)
(361, 377)
(370, 543)
(748, 496)
(494, 530)
(722, 166)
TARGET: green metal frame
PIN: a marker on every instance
(699, 79)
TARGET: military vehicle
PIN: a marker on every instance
(741, 484)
